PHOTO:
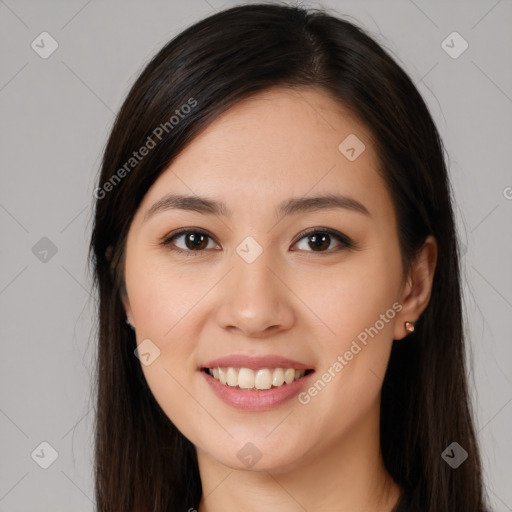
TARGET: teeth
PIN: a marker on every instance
(245, 378)
(263, 379)
(232, 377)
(278, 377)
(289, 375)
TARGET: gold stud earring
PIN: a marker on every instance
(409, 326)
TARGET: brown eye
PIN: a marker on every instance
(319, 240)
(189, 241)
(195, 241)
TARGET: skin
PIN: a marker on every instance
(303, 304)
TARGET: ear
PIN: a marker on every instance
(127, 307)
(415, 294)
(123, 294)
(108, 253)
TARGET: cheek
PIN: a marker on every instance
(161, 303)
(351, 297)
(358, 305)
(160, 296)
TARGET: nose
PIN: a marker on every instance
(254, 299)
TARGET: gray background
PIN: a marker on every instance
(56, 114)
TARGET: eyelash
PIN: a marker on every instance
(346, 242)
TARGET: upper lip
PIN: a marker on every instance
(255, 362)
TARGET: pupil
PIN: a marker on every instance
(319, 240)
(196, 240)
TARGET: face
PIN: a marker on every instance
(271, 279)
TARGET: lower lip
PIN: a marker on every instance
(259, 400)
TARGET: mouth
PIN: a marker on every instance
(261, 379)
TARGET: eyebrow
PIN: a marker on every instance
(291, 206)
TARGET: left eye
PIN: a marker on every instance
(318, 239)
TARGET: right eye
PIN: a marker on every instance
(194, 241)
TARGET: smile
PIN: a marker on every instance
(260, 379)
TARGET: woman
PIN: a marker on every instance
(275, 253)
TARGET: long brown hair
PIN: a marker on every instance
(142, 462)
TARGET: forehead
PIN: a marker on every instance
(275, 145)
